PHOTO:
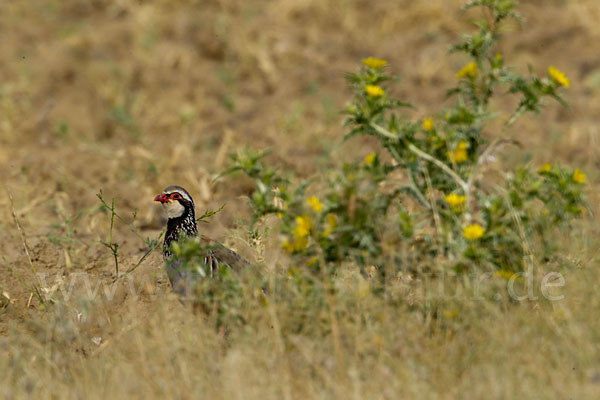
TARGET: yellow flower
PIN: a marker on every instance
(427, 124)
(450, 313)
(469, 70)
(454, 200)
(508, 275)
(578, 177)
(374, 91)
(330, 225)
(287, 246)
(303, 227)
(374, 63)
(300, 234)
(459, 154)
(300, 244)
(545, 168)
(314, 203)
(558, 77)
(369, 159)
(297, 245)
(472, 232)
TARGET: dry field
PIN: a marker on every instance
(127, 97)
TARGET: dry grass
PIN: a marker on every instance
(129, 97)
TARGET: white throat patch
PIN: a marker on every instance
(173, 209)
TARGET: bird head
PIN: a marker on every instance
(175, 201)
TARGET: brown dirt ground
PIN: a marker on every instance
(128, 97)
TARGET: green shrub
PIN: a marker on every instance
(429, 195)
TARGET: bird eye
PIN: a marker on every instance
(176, 196)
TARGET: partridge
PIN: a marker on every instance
(179, 208)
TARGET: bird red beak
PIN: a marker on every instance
(162, 198)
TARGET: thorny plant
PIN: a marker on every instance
(431, 199)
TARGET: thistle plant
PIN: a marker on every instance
(428, 194)
(445, 156)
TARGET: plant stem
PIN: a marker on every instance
(420, 153)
